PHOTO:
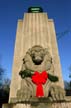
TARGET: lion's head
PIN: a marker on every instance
(37, 54)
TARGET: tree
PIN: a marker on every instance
(70, 71)
(6, 85)
(4, 92)
(67, 85)
(1, 75)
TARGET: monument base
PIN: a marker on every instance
(16, 105)
(40, 104)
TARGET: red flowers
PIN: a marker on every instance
(39, 79)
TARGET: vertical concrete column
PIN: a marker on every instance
(55, 54)
(16, 62)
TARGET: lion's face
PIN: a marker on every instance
(37, 55)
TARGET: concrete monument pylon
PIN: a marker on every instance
(34, 33)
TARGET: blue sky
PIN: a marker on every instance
(12, 10)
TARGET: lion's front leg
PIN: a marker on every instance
(46, 88)
(24, 93)
(57, 93)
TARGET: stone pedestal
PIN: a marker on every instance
(16, 105)
(39, 103)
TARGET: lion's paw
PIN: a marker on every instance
(57, 93)
(24, 95)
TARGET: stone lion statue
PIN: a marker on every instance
(38, 59)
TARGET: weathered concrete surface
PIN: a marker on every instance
(16, 106)
(40, 105)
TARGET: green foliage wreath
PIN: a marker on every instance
(29, 73)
